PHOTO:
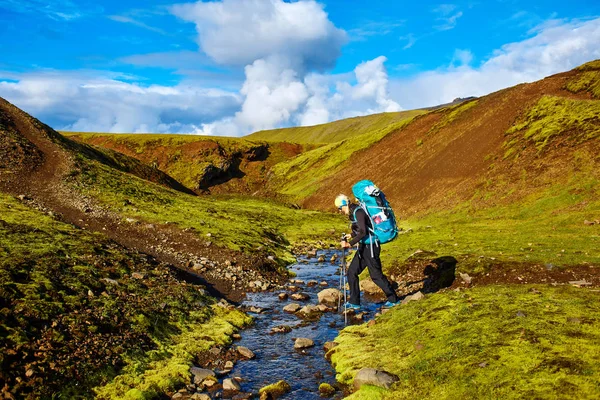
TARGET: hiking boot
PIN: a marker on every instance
(390, 304)
(350, 306)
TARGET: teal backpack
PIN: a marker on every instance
(373, 201)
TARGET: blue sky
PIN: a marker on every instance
(234, 66)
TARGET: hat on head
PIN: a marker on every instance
(341, 200)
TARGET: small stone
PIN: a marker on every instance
(293, 288)
(200, 374)
(323, 308)
(321, 259)
(200, 396)
(292, 308)
(300, 296)
(281, 329)
(274, 390)
(466, 278)
(309, 309)
(229, 365)
(312, 283)
(371, 376)
(245, 352)
(586, 222)
(520, 314)
(283, 296)
(231, 385)
(303, 343)
(138, 275)
(177, 396)
(323, 283)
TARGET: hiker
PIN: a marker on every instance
(366, 256)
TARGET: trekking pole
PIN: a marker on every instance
(343, 280)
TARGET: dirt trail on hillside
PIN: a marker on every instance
(43, 186)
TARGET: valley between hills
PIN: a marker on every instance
(127, 260)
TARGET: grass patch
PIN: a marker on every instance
(451, 114)
(546, 228)
(508, 342)
(553, 118)
(588, 81)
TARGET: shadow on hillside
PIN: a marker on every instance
(439, 274)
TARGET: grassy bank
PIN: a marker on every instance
(235, 222)
(509, 342)
(78, 310)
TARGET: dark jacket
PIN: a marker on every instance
(360, 226)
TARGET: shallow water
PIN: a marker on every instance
(276, 358)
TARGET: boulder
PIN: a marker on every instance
(303, 343)
(371, 376)
(292, 308)
(246, 352)
(329, 297)
(369, 287)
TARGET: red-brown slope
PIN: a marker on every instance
(422, 167)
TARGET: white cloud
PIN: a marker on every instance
(82, 102)
(239, 32)
(555, 47)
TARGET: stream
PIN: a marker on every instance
(276, 358)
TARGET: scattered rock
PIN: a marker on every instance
(321, 259)
(293, 288)
(309, 309)
(283, 296)
(138, 275)
(323, 308)
(231, 385)
(300, 296)
(246, 352)
(371, 376)
(229, 365)
(415, 297)
(580, 283)
(329, 296)
(466, 278)
(311, 253)
(292, 308)
(110, 281)
(201, 374)
(323, 283)
(200, 396)
(303, 343)
(586, 222)
(520, 314)
(281, 329)
(312, 283)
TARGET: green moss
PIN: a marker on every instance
(165, 369)
(589, 66)
(452, 113)
(326, 390)
(276, 390)
(490, 342)
(555, 118)
(335, 131)
(588, 81)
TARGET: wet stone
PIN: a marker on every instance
(300, 296)
(283, 296)
(303, 343)
(245, 352)
(281, 329)
(292, 308)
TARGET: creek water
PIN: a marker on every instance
(276, 359)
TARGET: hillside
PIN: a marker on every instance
(334, 131)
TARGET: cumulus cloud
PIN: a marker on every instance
(554, 47)
(85, 102)
(239, 32)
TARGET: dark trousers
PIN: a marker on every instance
(363, 259)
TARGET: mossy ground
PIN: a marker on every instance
(508, 342)
(73, 314)
(552, 118)
(544, 228)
